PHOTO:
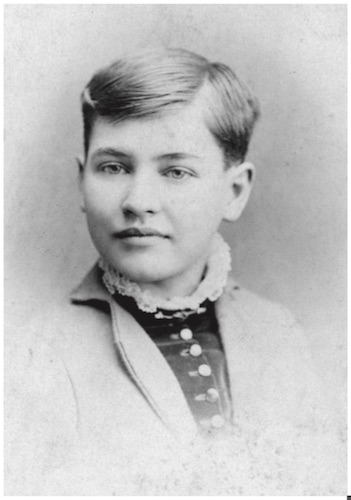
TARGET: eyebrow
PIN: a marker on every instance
(177, 156)
(109, 152)
(121, 154)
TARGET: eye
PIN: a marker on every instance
(178, 173)
(112, 168)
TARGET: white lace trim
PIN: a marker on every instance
(211, 287)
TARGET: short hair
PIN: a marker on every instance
(151, 83)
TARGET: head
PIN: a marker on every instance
(166, 134)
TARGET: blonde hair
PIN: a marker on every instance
(153, 82)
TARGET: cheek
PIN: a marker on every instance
(202, 205)
(99, 205)
(199, 218)
(99, 219)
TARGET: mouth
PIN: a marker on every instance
(142, 232)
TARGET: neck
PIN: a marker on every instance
(178, 286)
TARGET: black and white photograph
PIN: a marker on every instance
(175, 189)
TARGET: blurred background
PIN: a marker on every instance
(290, 244)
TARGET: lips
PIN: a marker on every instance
(138, 232)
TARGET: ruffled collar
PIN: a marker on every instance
(210, 288)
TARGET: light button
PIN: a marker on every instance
(186, 334)
(195, 350)
(204, 370)
(212, 395)
(217, 421)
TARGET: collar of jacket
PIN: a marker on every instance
(146, 365)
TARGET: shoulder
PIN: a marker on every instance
(36, 355)
(30, 352)
(61, 322)
(264, 330)
(275, 354)
(255, 310)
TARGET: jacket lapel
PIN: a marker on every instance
(143, 360)
(245, 366)
(231, 329)
(151, 372)
(235, 347)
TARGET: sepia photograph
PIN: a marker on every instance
(175, 250)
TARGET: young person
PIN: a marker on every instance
(162, 375)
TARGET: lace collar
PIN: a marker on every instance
(211, 287)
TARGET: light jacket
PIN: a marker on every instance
(94, 408)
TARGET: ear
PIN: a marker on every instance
(80, 163)
(240, 181)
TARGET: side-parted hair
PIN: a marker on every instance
(152, 83)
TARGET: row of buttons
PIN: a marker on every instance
(211, 395)
(195, 350)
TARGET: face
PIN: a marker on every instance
(154, 192)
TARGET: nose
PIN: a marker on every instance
(142, 196)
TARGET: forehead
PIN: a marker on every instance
(183, 130)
